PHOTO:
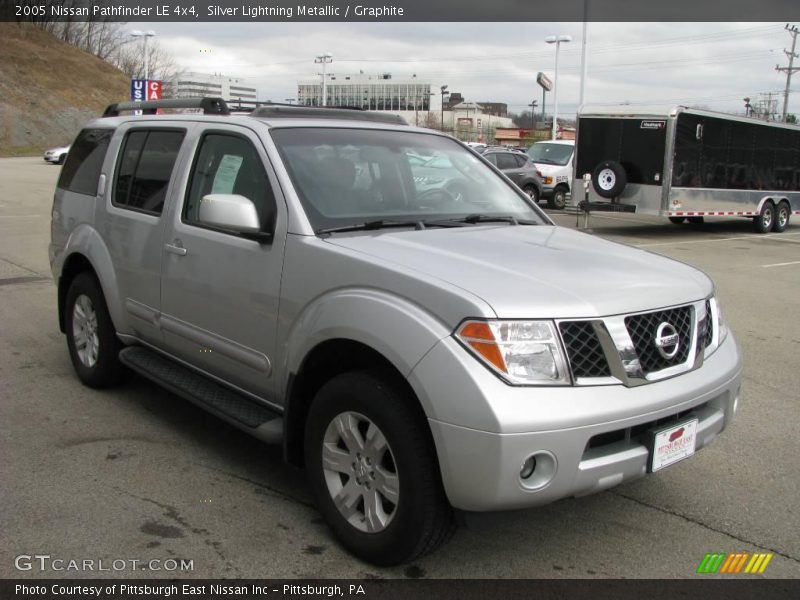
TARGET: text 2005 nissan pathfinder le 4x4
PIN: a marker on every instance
(418, 341)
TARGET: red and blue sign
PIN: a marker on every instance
(145, 89)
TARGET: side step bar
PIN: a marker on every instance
(239, 411)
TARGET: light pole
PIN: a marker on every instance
(290, 100)
(145, 35)
(556, 39)
(444, 91)
(533, 106)
(324, 59)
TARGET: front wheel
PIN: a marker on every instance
(91, 338)
(763, 222)
(559, 198)
(373, 470)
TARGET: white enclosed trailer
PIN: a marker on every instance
(688, 163)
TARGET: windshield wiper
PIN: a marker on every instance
(479, 218)
(383, 224)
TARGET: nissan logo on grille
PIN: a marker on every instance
(667, 340)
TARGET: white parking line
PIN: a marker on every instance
(772, 236)
(794, 262)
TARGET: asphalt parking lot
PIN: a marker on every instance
(137, 473)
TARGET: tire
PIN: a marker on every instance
(533, 192)
(782, 215)
(559, 198)
(764, 221)
(677, 220)
(61, 159)
(609, 179)
(420, 519)
(696, 220)
(91, 339)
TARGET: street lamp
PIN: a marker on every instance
(533, 106)
(145, 35)
(444, 91)
(324, 59)
(556, 39)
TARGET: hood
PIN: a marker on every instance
(538, 271)
(548, 169)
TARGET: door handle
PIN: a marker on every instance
(176, 248)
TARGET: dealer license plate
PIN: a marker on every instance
(672, 444)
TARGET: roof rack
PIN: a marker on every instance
(210, 106)
(349, 113)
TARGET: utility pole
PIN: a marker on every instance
(533, 106)
(324, 59)
(790, 69)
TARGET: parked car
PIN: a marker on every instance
(519, 168)
(57, 156)
(554, 161)
(417, 351)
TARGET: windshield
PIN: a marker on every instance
(352, 176)
(550, 154)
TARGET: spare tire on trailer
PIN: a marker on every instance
(609, 179)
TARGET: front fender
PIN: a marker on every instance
(401, 331)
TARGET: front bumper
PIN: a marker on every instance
(484, 430)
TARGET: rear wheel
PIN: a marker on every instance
(559, 198)
(532, 191)
(764, 221)
(696, 220)
(373, 470)
(781, 217)
(91, 339)
(677, 220)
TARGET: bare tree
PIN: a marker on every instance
(129, 58)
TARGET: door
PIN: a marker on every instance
(220, 291)
(511, 165)
(133, 221)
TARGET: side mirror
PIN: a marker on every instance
(232, 212)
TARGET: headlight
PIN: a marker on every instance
(720, 329)
(521, 352)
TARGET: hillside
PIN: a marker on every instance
(49, 89)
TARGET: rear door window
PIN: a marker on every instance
(145, 167)
(84, 161)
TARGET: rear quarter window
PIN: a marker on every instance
(84, 161)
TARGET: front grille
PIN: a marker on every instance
(709, 326)
(583, 349)
(642, 329)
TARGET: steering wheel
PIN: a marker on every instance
(438, 196)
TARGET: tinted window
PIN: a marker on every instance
(506, 161)
(144, 169)
(228, 164)
(521, 160)
(637, 144)
(84, 161)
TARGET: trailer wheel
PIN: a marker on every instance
(764, 221)
(677, 220)
(609, 179)
(696, 220)
(781, 217)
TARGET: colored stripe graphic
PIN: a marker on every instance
(732, 564)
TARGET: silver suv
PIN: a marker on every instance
(417, 349)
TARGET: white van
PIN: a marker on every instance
(554, 160)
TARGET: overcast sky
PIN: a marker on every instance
(710, 64)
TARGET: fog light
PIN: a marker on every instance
(538, 470)
(528, 467)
